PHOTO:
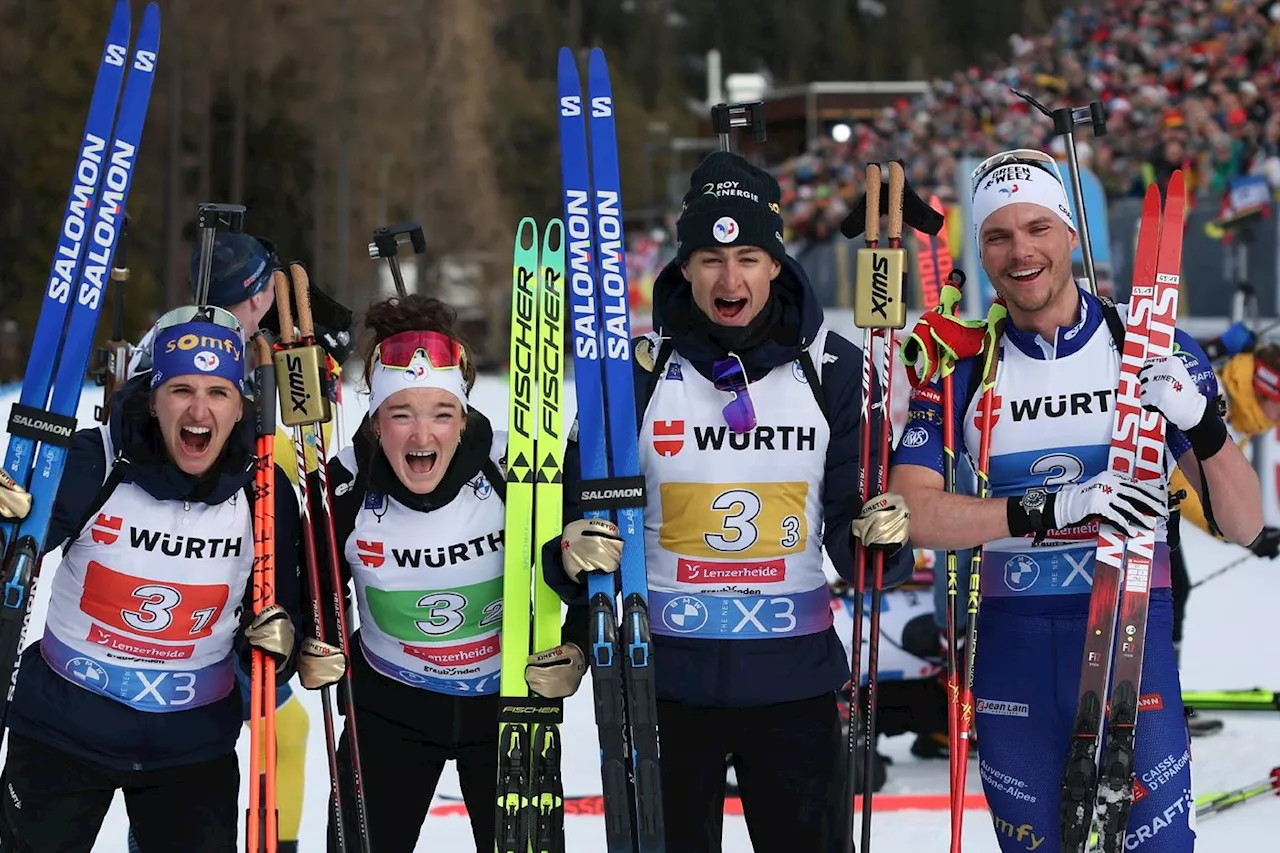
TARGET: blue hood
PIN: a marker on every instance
(135, 436)
(798, 317)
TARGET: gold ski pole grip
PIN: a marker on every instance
(299, 363)
(877, 298)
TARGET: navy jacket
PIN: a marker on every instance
(48, 707)
(738, 673)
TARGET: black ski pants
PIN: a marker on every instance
(55, 802)
(405, 736)
(789, 759)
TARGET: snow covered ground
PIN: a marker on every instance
(1228, 633)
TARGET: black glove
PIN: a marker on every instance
(338, 344)
(1267, 544)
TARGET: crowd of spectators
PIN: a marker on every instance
(1188, 84)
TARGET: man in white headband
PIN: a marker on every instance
(1050, 486)
(1025, 235)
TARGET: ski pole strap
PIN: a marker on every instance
(996, 316)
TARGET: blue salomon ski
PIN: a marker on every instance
(612, 485)
(43, 421)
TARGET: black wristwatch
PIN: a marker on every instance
(1026, 514)
(1033, 505)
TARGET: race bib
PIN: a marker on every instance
(159, 611)
(418, 616)
(734, 521)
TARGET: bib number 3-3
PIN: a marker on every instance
(739, 511)
(737, 521)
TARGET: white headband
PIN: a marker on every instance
(419, 374)
(1014, 183)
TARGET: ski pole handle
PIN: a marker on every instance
(897, 183)
(265, 380)
(871, 230)
(300, 363)
(302, 301)
(878, 283)
(284, 306)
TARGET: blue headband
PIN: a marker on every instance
(199, 349)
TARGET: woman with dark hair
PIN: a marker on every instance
(418, 515)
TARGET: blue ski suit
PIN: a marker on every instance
(1052, 426)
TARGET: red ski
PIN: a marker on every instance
(1137, 449)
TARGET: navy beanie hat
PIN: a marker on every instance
(730, 203)
(242, 268)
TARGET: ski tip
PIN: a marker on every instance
(151, 15)
(1176, 182)
(527, 235)
(1152, 196)
(568, 62)
(119, 30)
(553, 236)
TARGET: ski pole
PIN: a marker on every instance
(1257, 699)
(1267, 329)
(878, 307)
(989, 364)
(878, 311)
(725, 117)
(946, 371)
(313, 413)
(885, 299)
(1220, 802)
(262, 817)
(293, 379)
(386, 244)
(1238, 561)
(872, 232)
(210, 219)
(1065, 121)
